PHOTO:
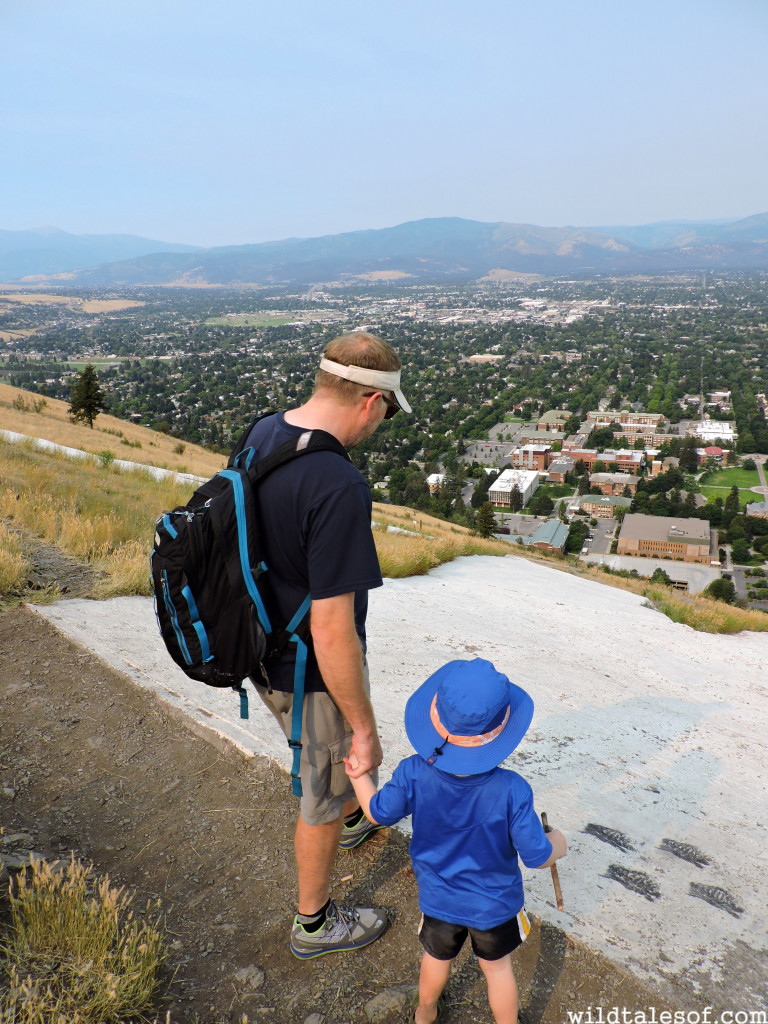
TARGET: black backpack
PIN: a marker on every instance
(209, 574)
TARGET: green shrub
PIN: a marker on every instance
(721, 590)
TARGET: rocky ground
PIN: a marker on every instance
(91, 763)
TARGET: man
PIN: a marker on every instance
(316, 522)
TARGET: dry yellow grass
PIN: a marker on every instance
(13, 565)
(127, 569)
(108, 434)
(424, 543)
(75, 953)
(704, 614)
(109, 305)
(40, 299)
(88, 510)
(72, 301)
(12, 335)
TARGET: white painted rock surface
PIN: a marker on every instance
(644, 728)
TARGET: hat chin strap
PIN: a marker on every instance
(478, 740)
(384, 380)
(437, 752)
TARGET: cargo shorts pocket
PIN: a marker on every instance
(340, 784)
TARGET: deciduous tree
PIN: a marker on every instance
(721, 590)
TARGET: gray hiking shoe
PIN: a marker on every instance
(352, 837)
(344, 928)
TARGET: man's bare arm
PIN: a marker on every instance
(340, 660)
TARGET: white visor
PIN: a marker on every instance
(382, 380)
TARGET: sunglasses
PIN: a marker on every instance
(392, 406)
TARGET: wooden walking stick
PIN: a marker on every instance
(555, 877)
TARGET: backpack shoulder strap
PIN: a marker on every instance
(240, 444)
(309, 441)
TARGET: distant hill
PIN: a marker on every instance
(450, 248)
(48, 251)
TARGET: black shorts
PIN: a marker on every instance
(443, 940)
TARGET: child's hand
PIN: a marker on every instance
(351, 764)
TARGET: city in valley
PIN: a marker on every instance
(619, 420)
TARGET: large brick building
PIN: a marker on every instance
(602, 506)
(553, 420)
(532, 456)
(631, 426)
(625, 460)
(559, 468)
(687, 540)
(614, 483)
(640, 421)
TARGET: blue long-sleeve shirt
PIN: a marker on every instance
(468, 832)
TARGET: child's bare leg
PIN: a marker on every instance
(432, 980)
(502, 989)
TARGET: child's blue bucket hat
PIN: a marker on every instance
(467, 717)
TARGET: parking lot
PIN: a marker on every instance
(494, 451)
(697, 576)
(602, 537)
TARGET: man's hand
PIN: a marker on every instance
(365, 754)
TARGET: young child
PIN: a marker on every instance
(471, 821)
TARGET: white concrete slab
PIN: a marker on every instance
(642, 727)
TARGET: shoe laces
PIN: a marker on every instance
(342, 918)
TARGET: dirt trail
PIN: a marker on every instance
(101, 767)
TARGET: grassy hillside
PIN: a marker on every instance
(106, 518)
(93, 512)
(124, 440)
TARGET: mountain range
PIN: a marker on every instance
(434, 249)
(50, 251)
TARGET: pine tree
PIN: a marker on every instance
(689, 460)
(731, 507)
(86, 397)
(688, 511)
(486, 520)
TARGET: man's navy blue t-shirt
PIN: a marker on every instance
(316, 525)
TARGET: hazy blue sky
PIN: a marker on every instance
(246, 120)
